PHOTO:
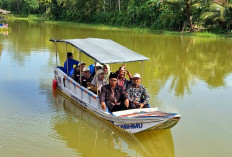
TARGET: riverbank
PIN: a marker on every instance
(118, 28)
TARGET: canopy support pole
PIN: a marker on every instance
(125, 69)
(142, 73)
(96, 74)
(66, 48)
(80, 66)
(56, 54)
(80, 73)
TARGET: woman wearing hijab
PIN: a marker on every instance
(106, 69)
(98, 82)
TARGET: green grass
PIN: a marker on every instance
(117, 28)
(27, 18)
(97, 26)
(199, 34)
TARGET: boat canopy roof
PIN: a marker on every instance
(104, 51)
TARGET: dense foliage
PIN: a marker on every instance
(177, 15)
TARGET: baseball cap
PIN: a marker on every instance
(86, 69)
(81, 63)
(98, 65)
(136, 75)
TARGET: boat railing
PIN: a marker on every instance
(79, 93)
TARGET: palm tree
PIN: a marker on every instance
(218, 14)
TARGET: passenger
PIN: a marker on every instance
(98, 67)
(137, 94)
(71, 62)
(113, 96)
(86, 78)
(92, 68)
(76, 74)
(100, 81)
(122, 81)
(106, 69)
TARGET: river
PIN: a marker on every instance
(188, 75)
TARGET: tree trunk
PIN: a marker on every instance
(188, 4)
(183, 27)
(18, 5)
(104, 6)
(116, 4)
(110, 4)
(119, 6)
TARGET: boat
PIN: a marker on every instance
(3, 27)
(106, 51)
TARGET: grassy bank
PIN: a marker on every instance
(118, 28)
(199, 34)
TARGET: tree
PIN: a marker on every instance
(30, 6)
(45, 3)
(217, 16)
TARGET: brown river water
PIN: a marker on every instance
(188, 75)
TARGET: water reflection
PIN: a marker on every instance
(185, 60)
(4, 33)
(179, 61)
(177, 66)
(89, 136)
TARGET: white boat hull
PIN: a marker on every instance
(131, 121)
